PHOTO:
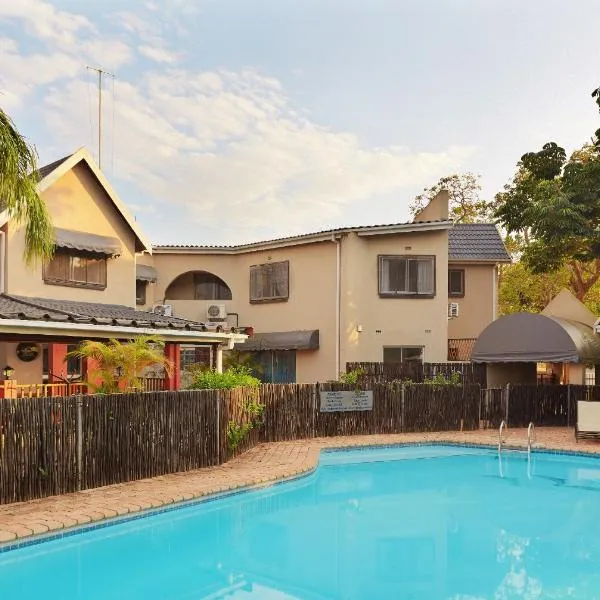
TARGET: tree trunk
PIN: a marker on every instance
(583, 277)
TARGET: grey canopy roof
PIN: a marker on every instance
(87, 242)
(525, 337)
(145, 273)
(282, 340)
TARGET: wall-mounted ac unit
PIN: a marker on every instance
(216, 312)
(165, 310)
(452, 310)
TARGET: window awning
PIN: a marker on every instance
(87, 242)
(282, 340)
(145, 273)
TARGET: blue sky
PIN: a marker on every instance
(240, 120)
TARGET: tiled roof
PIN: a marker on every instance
(44, 309)
(47, 169)
(300, 236)
(478, 242)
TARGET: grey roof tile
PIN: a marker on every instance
(477, 242)
(21, 307)
(47, 169)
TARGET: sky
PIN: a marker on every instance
(232, 121)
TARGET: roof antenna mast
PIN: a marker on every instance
(101, 74)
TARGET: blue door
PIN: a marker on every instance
(277, 366)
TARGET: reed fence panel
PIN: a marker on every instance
(132, 436)
(289, 411)
(37, 448)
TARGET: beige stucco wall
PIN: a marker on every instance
(311, 303)
(391, 321)
(25, 372)
(477, 309)
(76, 201)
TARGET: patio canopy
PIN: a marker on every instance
(87, 242)
(525, 337)
(282, 340)
(145, 273)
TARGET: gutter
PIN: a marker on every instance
(28, 327)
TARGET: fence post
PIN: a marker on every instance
(402, 408)
(507, 400)
(568, 405)
(79, 438)
(481, 394)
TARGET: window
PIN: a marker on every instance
(209, 287)
(140, 291)
(399, 354)
(73, 370)
(407, 276)
(456, 283)
(270, 282)
(76, 270)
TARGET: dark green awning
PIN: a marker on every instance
(281, 340)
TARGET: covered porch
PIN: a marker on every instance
(37, 335)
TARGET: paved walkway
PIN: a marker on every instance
(262, 464)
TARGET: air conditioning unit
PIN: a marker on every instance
(452, 310)
(165, 310)
(216, 312)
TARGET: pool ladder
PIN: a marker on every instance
(530, 436)
(500, 440)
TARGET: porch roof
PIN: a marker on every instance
(83, 319)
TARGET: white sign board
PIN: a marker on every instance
(346, 401)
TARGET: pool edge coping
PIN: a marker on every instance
(34, 539)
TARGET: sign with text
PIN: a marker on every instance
(346, 401)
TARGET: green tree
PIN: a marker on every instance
(465, 205)
(18, 191)
(552, 205)
(119, 364)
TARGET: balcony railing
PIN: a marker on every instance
(460, 350)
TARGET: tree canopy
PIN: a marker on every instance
(465, 205)
(18, 191)
(552, 205)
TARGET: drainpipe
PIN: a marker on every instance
(494, 292)
(338, 295)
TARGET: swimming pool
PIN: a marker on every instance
(416, 522)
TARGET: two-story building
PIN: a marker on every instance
(88, 289)
(421, 290)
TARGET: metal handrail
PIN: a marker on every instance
(502, 426)
(530, 431)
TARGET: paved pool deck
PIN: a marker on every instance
(259, 466)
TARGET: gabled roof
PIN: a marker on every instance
(308, 238)
(47, 169)
(476, 242)
(51, 173)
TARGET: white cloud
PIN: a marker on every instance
(159, 55)
(220, 146)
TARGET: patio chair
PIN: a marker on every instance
(588, 420)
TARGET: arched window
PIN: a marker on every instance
(198, 285)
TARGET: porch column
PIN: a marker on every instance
(219, 359)
(173, 355)
(57, 362)
(90, 373)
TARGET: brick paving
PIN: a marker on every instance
(260, 465)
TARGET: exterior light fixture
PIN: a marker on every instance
(8, 372)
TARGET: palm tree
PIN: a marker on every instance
(118, 364)
(18, 191)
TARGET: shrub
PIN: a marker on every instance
(233, 377)
(441, 379)
(351, 377)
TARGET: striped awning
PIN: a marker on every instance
(87, 242)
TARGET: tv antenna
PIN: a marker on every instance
(101, 73)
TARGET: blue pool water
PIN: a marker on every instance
(427, 522)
